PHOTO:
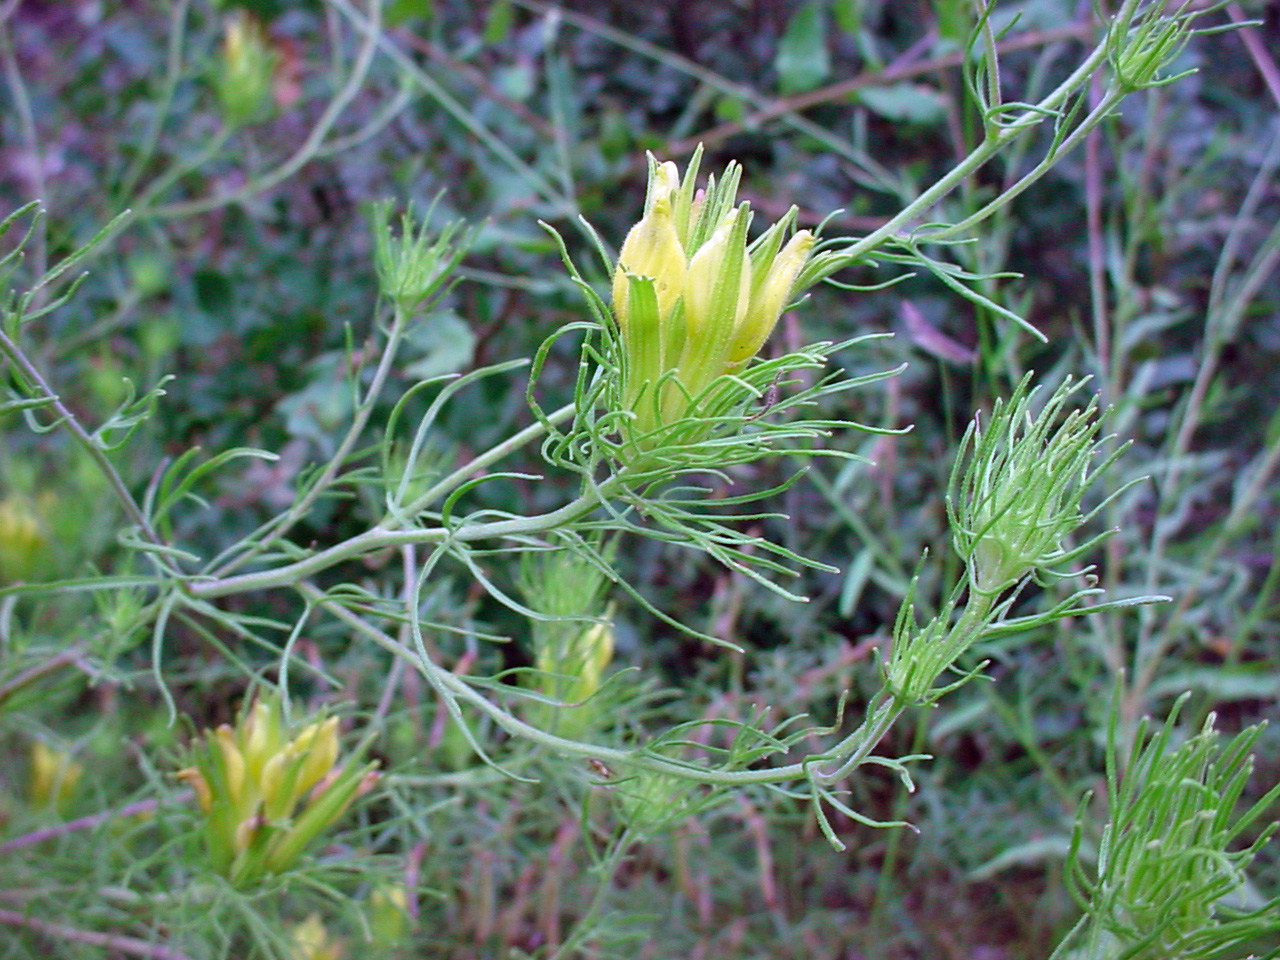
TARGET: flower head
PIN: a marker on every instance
(248, 65)
(1018, 485)
(54, 776)
(266, 794)
(693, 300)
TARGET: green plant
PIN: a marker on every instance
(396, 509)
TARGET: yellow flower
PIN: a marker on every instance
(266, 795)
(693, 300)
(21, 540)
(54, 776)
(311, 941)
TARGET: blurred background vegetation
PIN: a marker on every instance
(1148, 259)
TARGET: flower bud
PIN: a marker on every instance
(718, 287)
(21, 542)
(248, 63)
(232, 763)
(318, 746)
(415, 263)
(652, 250)
(260, 738)
(769, 300)
(54, 776)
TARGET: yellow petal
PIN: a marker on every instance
(771, 298)
(193, 777)
(652, 249)
(705, 297)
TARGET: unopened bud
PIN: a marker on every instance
(768, 302)
(248, 63)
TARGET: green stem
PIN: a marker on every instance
(65, 416)
(281, 525)
(173, 74)
(380, 538)
(457, 689)
(992, 145)
(494, 454)
(311, 146)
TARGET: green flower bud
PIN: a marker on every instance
(248, 63)
(1018, 485)
(416, 264)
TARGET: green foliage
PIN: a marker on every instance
(658, 582)
(1168, 883)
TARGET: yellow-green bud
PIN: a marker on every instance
(233, 767)
(54, 776)
(318, 746)
(652, 249)
(768, 302)
(21, 541)
(248, 63)
(711, 301)
(260, 738)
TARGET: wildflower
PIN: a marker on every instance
(21, 540)
(311, 941)
(578, 663)
(693, 301)
(266, 795)
(54, 776)
(248, 63)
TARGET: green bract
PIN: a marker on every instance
(417, 263)
(1017, 487)
(248, 62)
(1167, 884)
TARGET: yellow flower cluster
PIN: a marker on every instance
(692, 299)
(266, 795)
